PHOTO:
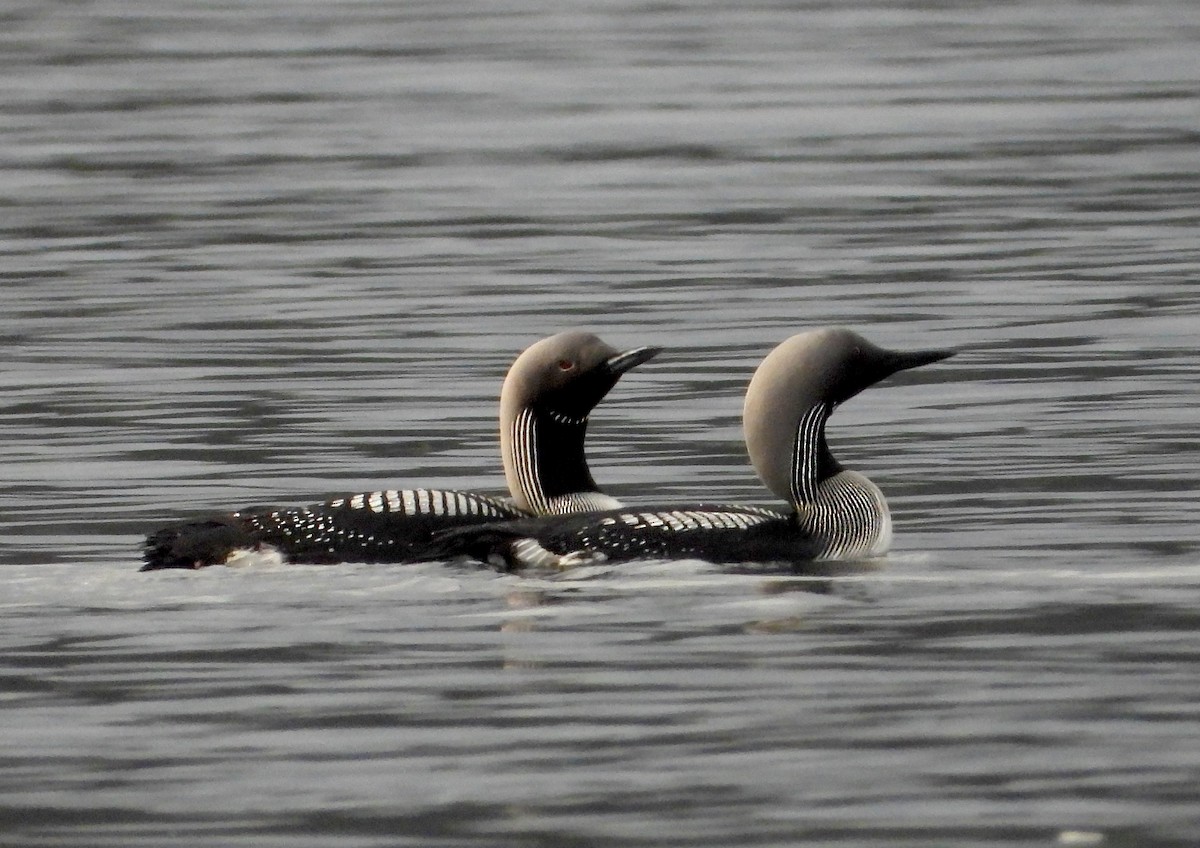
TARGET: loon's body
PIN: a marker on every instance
(547, 396)
(835, 514)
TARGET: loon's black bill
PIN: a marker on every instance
(917, 358)
(623, 362)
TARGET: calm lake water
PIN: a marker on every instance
(268, 251)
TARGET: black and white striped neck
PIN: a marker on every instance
(812, 461)
(847, 518)
(551, 466)
(844, 512)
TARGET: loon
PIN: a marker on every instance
(544, 405)
(835, 513)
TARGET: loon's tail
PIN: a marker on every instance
(196, 544)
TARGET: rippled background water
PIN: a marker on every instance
(265, 251)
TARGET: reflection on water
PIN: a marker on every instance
(259, 255)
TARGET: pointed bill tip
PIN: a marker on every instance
(917, 358)
(629, 359)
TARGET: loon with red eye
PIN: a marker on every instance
(545, 401)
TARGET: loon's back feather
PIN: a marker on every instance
(715, 533)
(395, 525)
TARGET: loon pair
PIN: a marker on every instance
(835, 513)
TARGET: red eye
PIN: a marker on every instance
(565, 365)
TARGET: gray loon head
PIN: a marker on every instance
(547, 397)
(790, 397)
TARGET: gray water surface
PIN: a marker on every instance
(264, 252)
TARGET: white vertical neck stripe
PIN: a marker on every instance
(805, 453)
(525, 459)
